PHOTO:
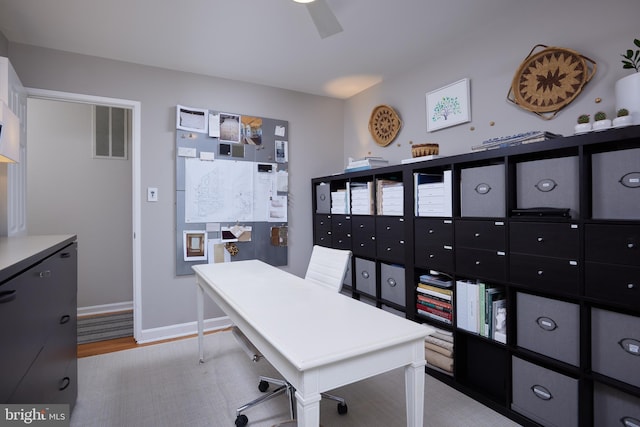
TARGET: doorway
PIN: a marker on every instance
(71, 191)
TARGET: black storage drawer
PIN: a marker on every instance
(363, 236)
(322, 229)
(543, 273)
(481, 263)
(390, 238)
(433, 257)
(433, 232)
(546, 239)
(617, 244)
(617, 284)
(481, 234)
(341, 231)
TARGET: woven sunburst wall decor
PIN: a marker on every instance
(550, 79)
(384, 125)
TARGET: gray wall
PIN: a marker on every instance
(70, 192)
(489, 55)
(315, 148)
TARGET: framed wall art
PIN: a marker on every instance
(449, 106)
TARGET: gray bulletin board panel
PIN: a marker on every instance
(259, 150)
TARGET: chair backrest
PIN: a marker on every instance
(327, 267)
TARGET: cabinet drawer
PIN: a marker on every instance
(390, 249)
(481, 234)
(545, 396)
(322, 230)
(549, 327)
(433, 257)
(481, 263)
(392, 286)
(546, 239)
(552, 274)
(363, 236)
(365, 276)
(615, 345)
(613, 407)
(616, 244)
(390, 228)
(617, 284)
(430, 232)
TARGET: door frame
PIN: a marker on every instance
(135, 107)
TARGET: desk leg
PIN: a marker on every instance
(414, 391)
(200, 309)
(308, 410)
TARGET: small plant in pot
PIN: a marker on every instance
(584, 124)
(627, 89)
(622, 118)
(600, 121)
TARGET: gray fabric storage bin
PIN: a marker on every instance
(615, 345)
(392, 283)
(482, 191)
(323, 198)
(612, 407)
(545, 396)
(366, 276)
(549, 327)
(548, 183)
(615, 184)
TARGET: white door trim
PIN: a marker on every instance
(135, 106)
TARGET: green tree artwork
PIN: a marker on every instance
(446, 107)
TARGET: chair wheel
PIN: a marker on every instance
(342, 408)
(263, 386)
(241, 420)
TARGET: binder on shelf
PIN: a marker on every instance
(432, 194)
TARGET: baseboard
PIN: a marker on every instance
(105, 308)
(181, 330)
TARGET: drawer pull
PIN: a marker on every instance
(448, 247)
(630, 345)
(365, 274)
(477, 262)
(546, 323)
(482, 188)
(432, 256)
(631, 286)
(65, 319)
(361, 245)
(476, 235)
(631, 245)
(391, 282)
(402, 242)
(361, 225)
(630, 422)
(44, 274)
(540, 272)
(7, 296)
(388, 228)
(540, 239)
(64, 383)
(430, 232)
(541, 392)
(546, 185)
(630, 180)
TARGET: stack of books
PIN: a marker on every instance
(340, 202)
(438, 351)
(481, 309)
(435, 298)
(432, 194)
(390, 197)
(366, 163)
(512, 140)
(362, 198)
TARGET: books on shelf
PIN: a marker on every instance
(517, 139)
(340, 201)
(432, 194)
(439, 351)
(390, 197)
(362, 198)
(366, 163)
(434, 301)
(478, 308)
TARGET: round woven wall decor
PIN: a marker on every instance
(384, 125)
(550, 79)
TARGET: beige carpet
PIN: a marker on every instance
(164, 386)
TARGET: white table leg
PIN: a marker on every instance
(200, 309)
(308, 410)
(414, 391)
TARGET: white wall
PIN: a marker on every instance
(489, 55)
(70, 192)
(315, 147)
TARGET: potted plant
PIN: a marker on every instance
(622, 118)
(628, 88)
(584, 124)
(600, 121)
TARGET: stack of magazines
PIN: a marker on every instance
(520, 138)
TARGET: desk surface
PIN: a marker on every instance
(308, 324)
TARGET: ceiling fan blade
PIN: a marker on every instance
(326, 22)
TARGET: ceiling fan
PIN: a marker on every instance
(326, 22)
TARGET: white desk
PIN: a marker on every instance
(317, 339)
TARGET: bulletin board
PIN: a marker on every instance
(232, 174)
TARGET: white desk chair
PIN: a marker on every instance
(327, 267)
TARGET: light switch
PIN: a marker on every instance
(152, 194)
